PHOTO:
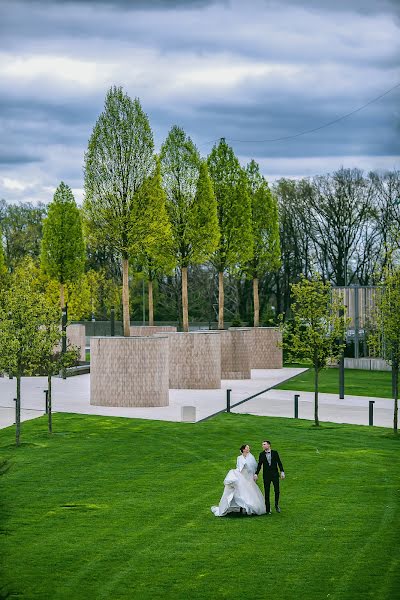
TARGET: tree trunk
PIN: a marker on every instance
(396, 393)
(185, 309)
(221, 300)
(125, 296)
(49, 403)
(151, 305)
(18, 411)
(256, 302)
(316, 397)
(278, 294)
(62, 296)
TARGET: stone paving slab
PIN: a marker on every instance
(72, 396)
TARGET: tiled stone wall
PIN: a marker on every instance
(194, 360)
(76, 337)
(150, 329)
(267, 354)
(129, 371)
(236, 349)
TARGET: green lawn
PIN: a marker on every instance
(113, 508)
(357, 382)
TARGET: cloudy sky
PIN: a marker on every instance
(248, 71)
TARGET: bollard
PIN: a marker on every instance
(371, 412)
(296, 406)
(112, 322)
(341, 377)
(17, 420)
(64, 330)
(228, 401)
(64, 338)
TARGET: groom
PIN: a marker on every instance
(269, 461)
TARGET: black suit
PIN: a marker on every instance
(270, 474)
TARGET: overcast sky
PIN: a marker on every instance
(244, 70)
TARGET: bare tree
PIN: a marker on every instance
(342, 212)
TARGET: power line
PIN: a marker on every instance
(296, 135)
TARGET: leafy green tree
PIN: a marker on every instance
(191, 206)
(386, 338)
(155, 253)
(29, 328)
(63, 249)
(3, 268)
(21, 225)
(118, 162)
(234, 215)
(316, 330)
(265, 230)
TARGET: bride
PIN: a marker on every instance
(241, 493)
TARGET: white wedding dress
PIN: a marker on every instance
(241, 491)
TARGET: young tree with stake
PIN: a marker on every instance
(29, 329)
(315, 332)
(386, 338)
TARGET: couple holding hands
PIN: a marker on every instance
(241, 493)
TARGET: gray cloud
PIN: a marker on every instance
(252, 71)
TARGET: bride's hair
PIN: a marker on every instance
(243, 447)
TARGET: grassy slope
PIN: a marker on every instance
(120, 508)
(357, 382)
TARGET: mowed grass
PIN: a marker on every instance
(114, 508)
(357, 382)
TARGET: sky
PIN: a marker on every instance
(248, 71)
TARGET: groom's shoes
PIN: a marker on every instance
(277, 509)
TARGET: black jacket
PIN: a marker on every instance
(269, 471)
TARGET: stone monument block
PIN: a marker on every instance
(194, 360)
(236, 349)
(267, 354)
(76, 337)
(129, 371)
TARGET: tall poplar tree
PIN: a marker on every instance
(155, 251)
(265, 231)
(118, 162)
(191, 206)
(234, 215)
(63, 250)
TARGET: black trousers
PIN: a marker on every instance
(267, 486)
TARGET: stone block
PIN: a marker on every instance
(236, 349)
(129, 371)
(76, 337)
(194, 360)
(267, 353)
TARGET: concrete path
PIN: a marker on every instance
(72, 396)
(353, 409)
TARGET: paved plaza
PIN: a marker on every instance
(72, 396)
